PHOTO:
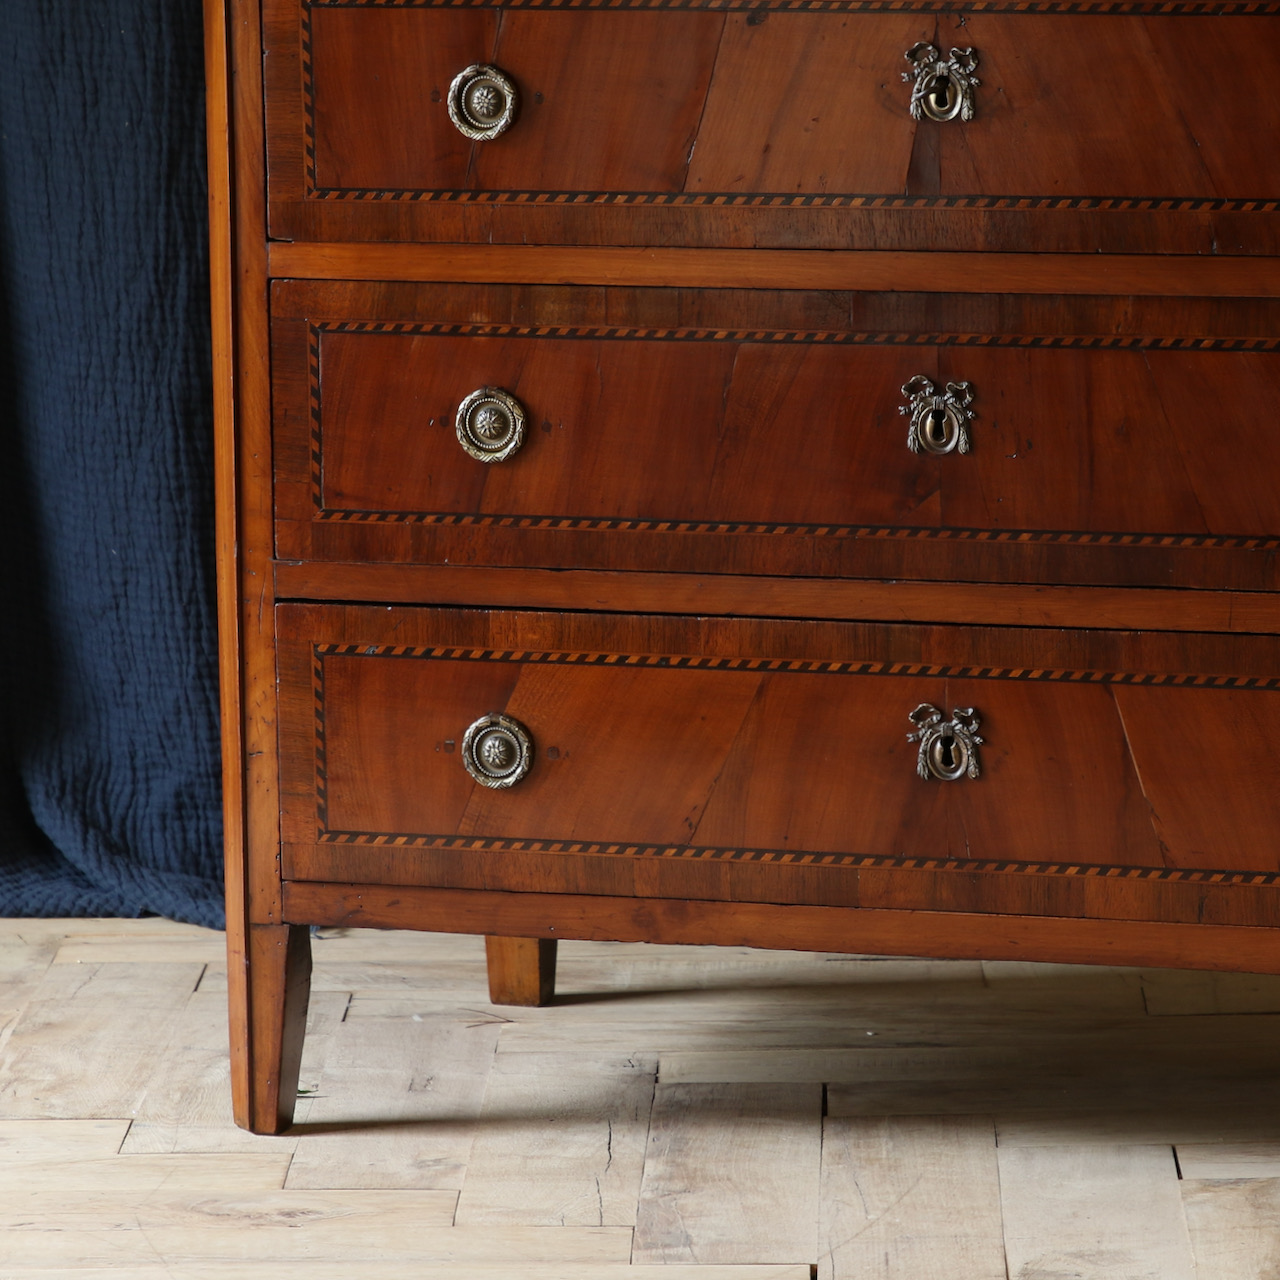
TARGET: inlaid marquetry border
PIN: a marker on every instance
(318, 655)
(1169, 8)
(317, 424)
(804, 666)
(780, 200)
(810, 337)
(801, 666)
(775, 200)
(600, 524)
(609, 524)
(788, 857)
(717, 853)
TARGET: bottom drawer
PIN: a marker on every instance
(1110, 774)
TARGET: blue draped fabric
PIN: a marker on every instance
(109, 788)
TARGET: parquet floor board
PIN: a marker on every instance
(1190, 1119)
(88, 1038)
(1105, 1211)
(25, 955)
(1179, 992)
(678, 1114)
(23, 1141)
(137, 1241)
(561, 1141)
(313, 1269)
(185, 1106)
(731, 1174)
(910, 1198)
(140, 1177)
(1229, 1160)
(397, 1105)
(1235, 1227)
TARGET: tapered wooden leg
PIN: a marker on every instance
(270, 984)
(521, 970)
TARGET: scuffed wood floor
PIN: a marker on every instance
(678, 1114)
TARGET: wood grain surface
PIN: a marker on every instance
(707, 256)
(1093, 1220)
(962, 271)
(902, 1193)
(790, 432)
(582, 1125)
(695, 1205)
(266, 1015)
(763, 433)
(758, 770)
(428, 1076)
(994, 604)
(560, 1140)
(950, 934)
(521, 970)
(703, 107)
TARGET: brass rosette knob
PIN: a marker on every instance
(482, 102)
(490, 424)
(948, 748)
(497, 751)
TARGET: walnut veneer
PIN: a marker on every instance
(714, 583)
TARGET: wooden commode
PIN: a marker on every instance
(798, 473)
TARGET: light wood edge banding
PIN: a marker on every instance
(850, 930)
(873, 270)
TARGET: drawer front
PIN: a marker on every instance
(763, 761)
(777, 451)
(682, 120)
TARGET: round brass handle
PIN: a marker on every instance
(943, 88)
(490, 424)
(482, 102)
(939, 420)
(948, 748)
(497, 751)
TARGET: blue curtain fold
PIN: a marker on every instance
(109, 778)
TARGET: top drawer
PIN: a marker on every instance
(774, 126)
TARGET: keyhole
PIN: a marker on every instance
(938, 429)
(940, 96)
(948, 757)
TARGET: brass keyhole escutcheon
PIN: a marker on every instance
(948, 748)
(482, 102)
(497, 751)
(943, 87)
(490, 424)
(939, 419)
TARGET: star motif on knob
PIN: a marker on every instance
(489, 423)
(485, 101)
(496, 752)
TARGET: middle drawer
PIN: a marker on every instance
(795, 436)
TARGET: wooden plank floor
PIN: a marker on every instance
(678, 1114)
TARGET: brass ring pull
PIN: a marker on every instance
(943, 90)
(497, 751)
(939, 422)
(490, 424)
(482, 102)
(948, 748)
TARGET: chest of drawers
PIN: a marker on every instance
(785, 474)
